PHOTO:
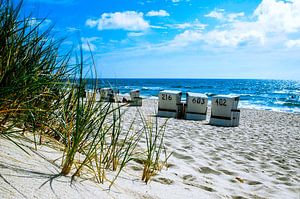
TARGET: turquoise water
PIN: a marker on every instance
(278, 95)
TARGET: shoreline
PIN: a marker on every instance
(240, 106)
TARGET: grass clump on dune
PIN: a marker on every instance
(40, 91)
(91, 131)
(154, 137)
(31, 70)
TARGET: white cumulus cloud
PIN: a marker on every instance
(234, 37)
(39, 22)
(218, 14)
(196, 25)
(128, 20)
(279, 16)
(135, 34)
(270, 24)
(233, 16)
(222, 16)
(72, 29)
(88, 43)
(293, 43)
(92, 23)
(160, 13)
(187, 37)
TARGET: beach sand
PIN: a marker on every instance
(258, 159)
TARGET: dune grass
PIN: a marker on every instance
(154, 137)
(42, 93)
(31, 70)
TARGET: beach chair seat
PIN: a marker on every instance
(224, 110)
(107, 94)
(135, 99)
(169, 104)
(196, 106)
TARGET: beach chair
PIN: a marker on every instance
(107, 94)
(224, 110)
(135, 99)
(169, 104)
(196, 107)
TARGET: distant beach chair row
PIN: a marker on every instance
(107, 94)
(224, 108)
(135, 99)
(110, 95)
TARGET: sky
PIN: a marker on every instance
(180, 38)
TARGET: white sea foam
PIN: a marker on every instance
(279, 102)
(153, 97)
(282, 92)
(152, 88)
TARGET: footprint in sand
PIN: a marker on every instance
(189, 178)
(206, 188)
(182, 150)
(182, 156)
(233, 180)
(170, 165)
(264, 165)
(165, 181)
(249, 182)
(231, 173)
(238, 197)
(248, 157)
(239, 162)
(208, 170)
(136, 168)
(285, 179)
(285, 167)
(216, 158)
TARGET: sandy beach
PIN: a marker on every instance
(79, 90)
(258, 159)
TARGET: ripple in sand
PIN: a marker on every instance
(182, 156)
(288, 184)
(238, 197)
(189, 177)
(275, 163)
(280, 160)
(136, 168)
(239, 162)
(233, 180)
(139, 161)
(165, 181)
(283, 179)
(182, 150)
(248, 157)
(170, 165)
(188, 147)
(208, 170)
(249, 182)
(285, 167)
(231, 173)
(206, 188)
(264, 165)
(216, 158)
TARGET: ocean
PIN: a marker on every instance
(276, 95)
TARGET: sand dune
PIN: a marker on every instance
(258, 159)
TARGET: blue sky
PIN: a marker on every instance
(181, 38)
